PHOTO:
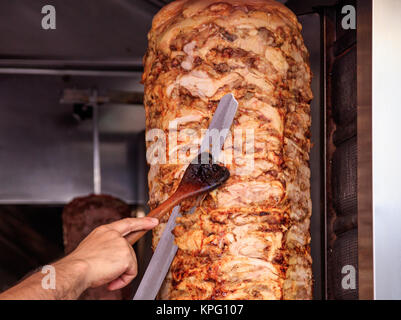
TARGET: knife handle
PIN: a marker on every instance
(158, 213)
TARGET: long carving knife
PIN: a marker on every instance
(166, 248)
(161, 261)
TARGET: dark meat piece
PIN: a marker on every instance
(80, 217)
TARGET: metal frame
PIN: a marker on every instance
(69, 66)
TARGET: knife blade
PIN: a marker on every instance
(219, 126)
(160, 262)
(166, 249)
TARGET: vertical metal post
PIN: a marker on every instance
(97, 178)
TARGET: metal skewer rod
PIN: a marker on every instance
(97, 178)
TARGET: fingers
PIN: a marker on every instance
(128, 225)
(120, 282)
(134, 237)
(128, 275)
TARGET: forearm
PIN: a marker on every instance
(103, 257)
(69, 283)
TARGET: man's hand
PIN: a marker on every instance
(108, 255)
(103, 257)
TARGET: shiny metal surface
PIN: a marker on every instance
(386, 115)
(46, 155)
(160, 262)
(66, 72)
(85, 30)
(221, 121)
(97, 175)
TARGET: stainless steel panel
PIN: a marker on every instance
(46, 155)
(85, 29)
(386, 115)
